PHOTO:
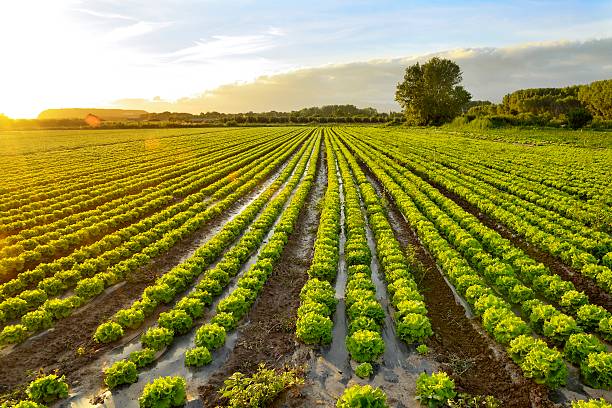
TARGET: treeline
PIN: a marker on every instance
(312, 115)
(318, 114)
(573, 106)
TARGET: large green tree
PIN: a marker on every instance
(597, 96)
(430, 93)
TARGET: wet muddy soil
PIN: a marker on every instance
(459, 345)
(596, 295)
(68, 346)
(269, 334)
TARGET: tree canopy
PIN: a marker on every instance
(430, 93)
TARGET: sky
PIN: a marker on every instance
(231, 56)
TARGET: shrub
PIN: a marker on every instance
(258, 390)
(578, 118)
(314, 328)
(414, 328)
(122, 372)
(157, 338)
(435, 390)
(142, 358)
(47, 389)
(164, 392)
(211, 336)
(364, 370)
(365, 345)
(596, 370)
(108, 332)
(197, 357)
(362, 396)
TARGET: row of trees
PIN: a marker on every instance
(323, 114)
(431, 94)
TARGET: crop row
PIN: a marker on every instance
(458, 253)
(505, 265)
(511, 193)
(92, 198)
(365, 314)
(231, 309)
(98, 174)
(211, 187)
(63, 165)
(517, 220)
(212, 281)
(164, 237)
(106, 220)
(318, 301)
(412, 324)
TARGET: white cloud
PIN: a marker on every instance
(489, 73)
(223, 46)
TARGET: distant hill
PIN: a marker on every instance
(81, 113)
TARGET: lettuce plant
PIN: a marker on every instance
(211, 336)
(362, 396)
(435, 390)
(364, 370)
(579, 346)
(197, 357)
(313, 328)
(164, 392)
(596, 370)
(122, 372)
(108, 332)
(48, 389)
(142, 358)
(414, 328)
(157, 338)
(365, 346)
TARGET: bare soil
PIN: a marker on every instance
(477, 364)
(269, 334)
(68, 347)
(596, 294)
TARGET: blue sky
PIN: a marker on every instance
(94, 52)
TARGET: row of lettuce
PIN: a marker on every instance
(350, 193)
(489, 273)
(42, 309)
(39, 234)
(278, 218)
(519, 208)
(67, 241)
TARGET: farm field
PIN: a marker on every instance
(348, 254)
